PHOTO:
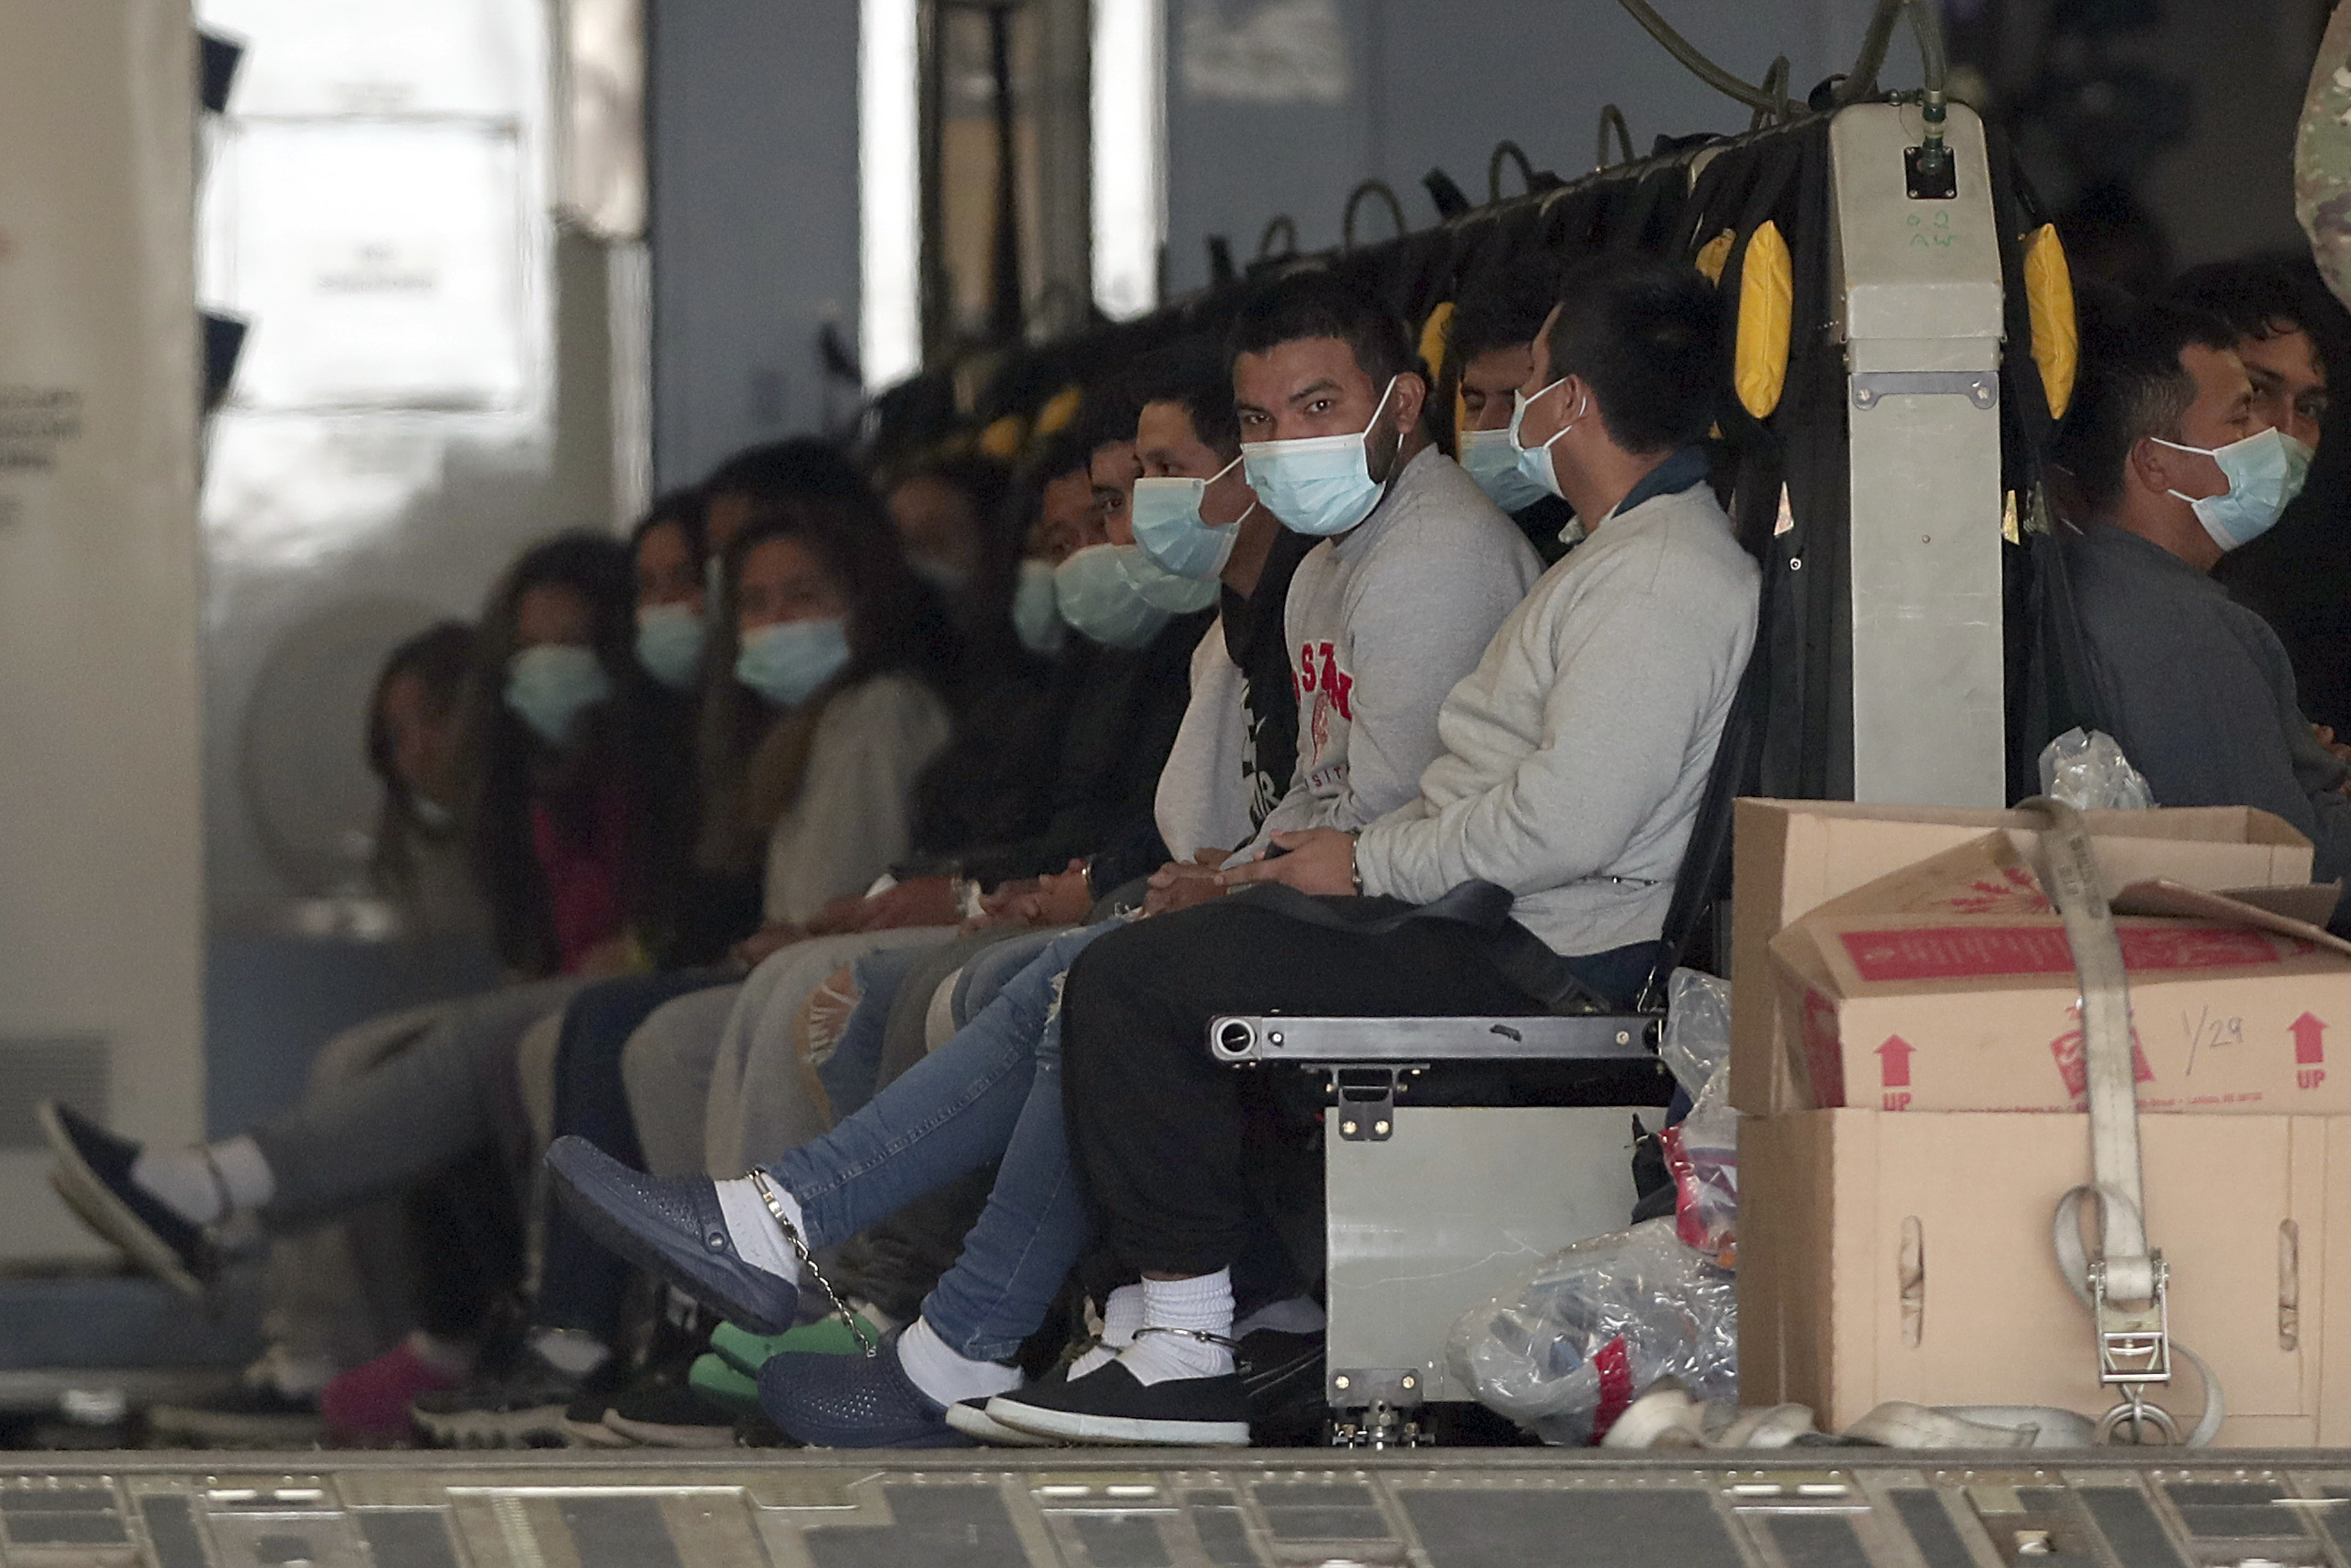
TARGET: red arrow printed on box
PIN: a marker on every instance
(2309, 1041)
(1894, 1058)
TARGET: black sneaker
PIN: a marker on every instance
(523, 1408)
(250, 1415)
(93, 1175)
(1282, 1378)
(1108, 1406)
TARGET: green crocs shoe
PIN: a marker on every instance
(718, 1381)
(747, 1351)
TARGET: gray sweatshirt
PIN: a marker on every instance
(848, 823)
(2200, 692)
(1382, 621)
(1575, 754)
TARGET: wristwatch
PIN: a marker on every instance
(1355, 871)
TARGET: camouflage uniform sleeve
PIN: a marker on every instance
(2322, 156)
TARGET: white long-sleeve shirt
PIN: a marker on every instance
(1203, 802)
(1382, 621)
(1575, 754)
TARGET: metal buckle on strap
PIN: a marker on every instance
(2133, 1352)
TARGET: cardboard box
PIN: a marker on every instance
(1949, 986)
(1908, 1257)
(1788, 857)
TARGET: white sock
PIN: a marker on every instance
(946, 1377)
(753, 1228)
(1292, 1314)
(1121, 1315)
(570, 1350)
(1203, 1304)
(182, 1180)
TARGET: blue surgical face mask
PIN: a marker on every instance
(1036, 612)
(1098, 597)
(1493, 460)
(1162, 589)
(1535, 462)
(786, 663)
(1171, 531)
(669, 644)
(1318, 484)
(2265, 472)
(549, 686)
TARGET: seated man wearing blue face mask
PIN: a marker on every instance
(1489, 351)
(1418, 568)
(2175, 466)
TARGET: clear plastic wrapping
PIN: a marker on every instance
(1702, 1155)
(2090, 773)
(1697, 1028)
(1702, 1150)
(1567, 1347)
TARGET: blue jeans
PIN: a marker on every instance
(848, 1074)
(991, 1094)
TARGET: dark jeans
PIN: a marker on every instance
(1159, 1130)
(582, 1285)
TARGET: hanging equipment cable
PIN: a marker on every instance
(1772, 97)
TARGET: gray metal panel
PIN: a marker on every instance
(1442, 1508)
(1919, 291)
(1599, 1037)
(1457, 1203)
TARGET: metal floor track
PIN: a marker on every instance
(1265, 1508)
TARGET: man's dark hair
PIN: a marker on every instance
(2132, 385)
(1108, 414)
(2259, 297)
(1066, 451)
(1501, 307)
(1645, 336)
(1324, 305)
(1193, 373)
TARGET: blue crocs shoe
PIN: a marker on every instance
(672, 1228)
(854, 1402)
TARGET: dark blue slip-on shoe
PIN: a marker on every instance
(854, 1402)
(93, 1175)
(672, 1228)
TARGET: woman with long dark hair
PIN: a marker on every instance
(571, 778)
(417, 861)
(811, 753)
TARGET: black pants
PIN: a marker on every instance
(1159, 1129)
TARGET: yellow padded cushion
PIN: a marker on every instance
(2049, 305)
(1432, 335)
(1059, 410)
(1001, 440)
(1766, 307)
(1714, 254)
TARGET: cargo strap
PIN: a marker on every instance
(2125, 1285)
